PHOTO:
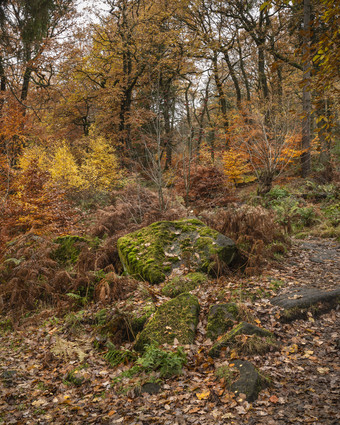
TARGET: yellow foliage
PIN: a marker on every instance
(64, 169)
(235, 165)
(36, 155)
(100, 168)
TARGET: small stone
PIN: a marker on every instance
(150, 388)
(249, 383)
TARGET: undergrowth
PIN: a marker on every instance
(154, 364)
(257, 235)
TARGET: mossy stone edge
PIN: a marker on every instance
(176, 318)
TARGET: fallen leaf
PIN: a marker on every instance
(203, 396)
(323, 370)
(273, 399)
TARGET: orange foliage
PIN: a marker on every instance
(268, 141)
(33, 205)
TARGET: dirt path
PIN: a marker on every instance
(34, 388)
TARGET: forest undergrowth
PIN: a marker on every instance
(69, 316)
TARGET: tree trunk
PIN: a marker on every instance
(262, 72)
(244, 75)
(221, 96)
(25, 83)
(234, 78)
(2, 84)
(306, 95)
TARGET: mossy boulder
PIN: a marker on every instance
(69, 249)
(125, 323)
(140, 316)
(154, 251)
(176, 318)
(181, 284)
(221, 318)
(259, 340)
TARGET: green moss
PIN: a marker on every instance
(197, 277)
(153, 252)
(221, 318)
(69, 249)
(181, 284)
(228, 374)
(140, 316)
(176, 318)
(243, 328)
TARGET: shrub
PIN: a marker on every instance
(100, 168)
(252, 228)
(208, 187)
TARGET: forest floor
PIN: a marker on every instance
(37, 358)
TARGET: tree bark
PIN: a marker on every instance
(221, 96)
(234, 78)
(262, 73)
(306, 95)
(2, 83)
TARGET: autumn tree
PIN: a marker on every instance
(27, 27)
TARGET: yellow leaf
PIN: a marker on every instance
(233, 354)
(293, 348)
(323, 370)
(203, 396)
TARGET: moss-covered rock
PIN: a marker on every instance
(176, 318)
(261, 342)
(125, 323)
(181, 284)
(154, 251)
(69, 249)
(141, 315)
(249, 382)
(221, 318)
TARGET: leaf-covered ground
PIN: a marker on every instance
(50, 373)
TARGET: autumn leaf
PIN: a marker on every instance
(203, 396)
(274, 399)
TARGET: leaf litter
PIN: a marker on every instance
(41, 362)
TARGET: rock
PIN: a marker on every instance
(176, 318)
(125, 323)
(154, 251)
(69, 249)
(260, 342)
(298, 300)
(180, 284)
(249, 382)
(7, 376)
(150, 388)
(221, 318)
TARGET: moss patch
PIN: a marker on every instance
(69, 249)
(181, 284)
(154, 251)
(228, 374)
(176, 318)
(124, 324)
(264, 340)
(221, 318)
